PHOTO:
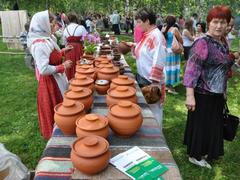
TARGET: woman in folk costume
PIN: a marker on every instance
(48, 58)
(72, 35)
(150, 54)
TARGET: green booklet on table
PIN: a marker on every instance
(137, 164)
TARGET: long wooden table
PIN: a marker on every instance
(55, 162)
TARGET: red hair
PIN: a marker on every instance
(220, 12)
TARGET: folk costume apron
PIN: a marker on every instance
(48, 96)
(75, 54)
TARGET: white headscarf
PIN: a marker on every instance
(40, 29)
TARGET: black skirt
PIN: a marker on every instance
(204, 128)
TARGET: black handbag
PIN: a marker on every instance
(230, 124)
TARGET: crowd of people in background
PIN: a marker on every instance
(158, 64)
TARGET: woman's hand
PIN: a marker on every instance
(190, 102)
(68, 64)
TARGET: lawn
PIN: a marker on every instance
(20, 134)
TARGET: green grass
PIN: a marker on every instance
(19, 127)
(20, 133)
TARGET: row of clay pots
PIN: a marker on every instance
(90, 153)
(102, 86)
(104, 70)
(123, 117)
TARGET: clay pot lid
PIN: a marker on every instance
(125, 109)
(102, 58)
(85, 69)
(121, 92)
(92, 122)
(123, 80)
(109, 69)
(77, 92)
(102, 63)
(90, 146)
(69, 107)
(81, 80)
(87, 56)
(102, 82)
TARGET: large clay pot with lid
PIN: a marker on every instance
(90, 154)
(122, 80)
(125, 118)
(114, 95)
(66, 114)
(83, 95)
(86, 70)
(92, 124)
(82, 81)
(108, 72)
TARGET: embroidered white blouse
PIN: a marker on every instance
(150, 53)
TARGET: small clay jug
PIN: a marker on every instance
(82, 81)
(66, 114)
(86, 70)
(122, 80)
(123, 47)
(102, 86)
(108, 72)
(83, 95)
(92, 124)
(114, 95)
(125, 118)
(90, 154)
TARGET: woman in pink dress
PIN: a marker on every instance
(48, 58)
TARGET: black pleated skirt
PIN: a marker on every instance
(204, 127)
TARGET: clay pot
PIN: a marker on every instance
(125, 118)
(100, 64)
(88, 56)
(122, 80)
(90, 154)
(116, 57)
(100, 59)
(123, 48)
(105, 46)
(82, 81)
(83, 95)
(114, 95)
(86, 70)
(92, 124)
(108, 72)
(102, 86)
(105, 51)
(66, 114)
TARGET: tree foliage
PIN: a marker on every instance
(164, 7)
